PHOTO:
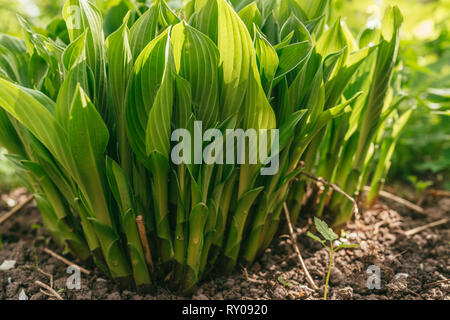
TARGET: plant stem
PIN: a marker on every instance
(329, 270)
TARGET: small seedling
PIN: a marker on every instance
(419, 186)
(329, 237)
(284, 282)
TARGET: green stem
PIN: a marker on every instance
(329, 270)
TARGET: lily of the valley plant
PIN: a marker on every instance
(89, 104)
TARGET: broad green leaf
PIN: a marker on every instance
(14, 60)
(386, 59)
(117, 262)
(167, 17)
(159, 119)
(75, 52)
(301, 32)
(120, 59)
(334, 40)
(38, 70)
(144, 30)
(82, 16)
(114, 17)
(26, 106)
(250, 15)
(314, 237)
(236, 52)
(10, 139)
(88, 139)
(146, 80)
(313, 9)
(197, 60)
(291, 56)
(325, 230)
(268, 60)
(120, 187)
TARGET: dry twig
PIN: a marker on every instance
(403, 202)
(16, 209)
(144, 242)
(247, 277)
(64, 260)
(436, 283)
(427, 226)
(297, 250)
(48, 275)
(335, 188)
(51, 292)
(439, 193)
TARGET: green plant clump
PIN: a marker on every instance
(88, 106)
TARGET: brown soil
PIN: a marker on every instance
(410, 268)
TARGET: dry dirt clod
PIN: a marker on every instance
(336, 277)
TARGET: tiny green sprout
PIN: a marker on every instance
(329, 237)
(419, 185)
(66, 250)
(284, 282)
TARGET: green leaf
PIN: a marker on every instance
(10, 139)
(250, 15)
(197, 61)
(285, 283)
(386, 59)
(109, 240)
(146, 80)
(324, 230)
(313, 9)
(144, 30)
(314, 237)
(236, 52)
(268, 60)
(38, 71)
(120, 60)
(82, 16)
(160, 116)
(14, 60)
(291, 56)
(347, 246)
(75, 52)
(197, 222)
(119, 186)
(88, 139)
(32, 110)
(115, 15)
(167, 17)
(238, 222)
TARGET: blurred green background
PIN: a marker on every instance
(423, 152)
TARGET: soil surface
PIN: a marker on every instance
(416, 267)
